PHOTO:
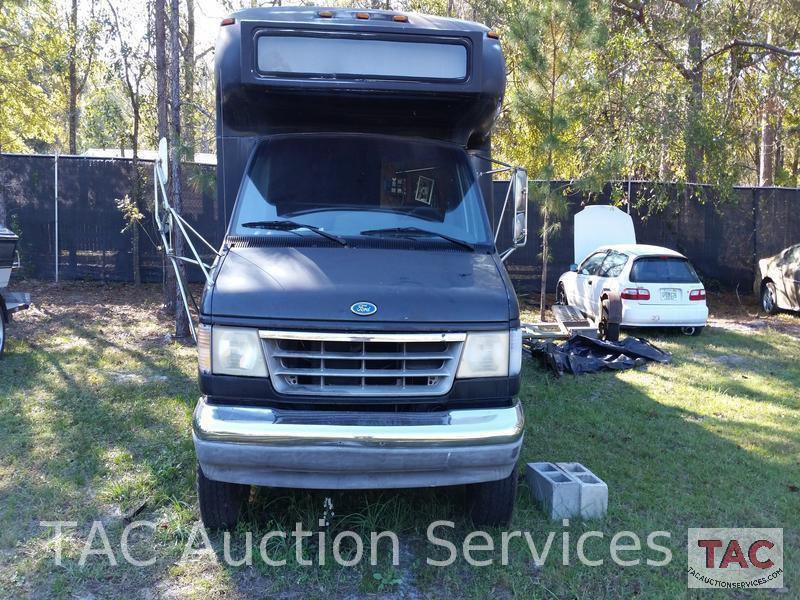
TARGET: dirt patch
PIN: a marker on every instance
(743, 314)
(128, 315)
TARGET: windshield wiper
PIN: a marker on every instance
(412, 231)
(291, 226)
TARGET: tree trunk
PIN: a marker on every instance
(181, 318)
(769, 112)
(795, 164)
(546, 212)
(137, 274)
(72, 68)
(161, 68)
(188, 75)
(3, 196)
(162, 101)
(694, 142)
(766, 154)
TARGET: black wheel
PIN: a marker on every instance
(608, 331)
(769, 298)
(693, 331)
(220, 503)
(561, 296)
(492, 503)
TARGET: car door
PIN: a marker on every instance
(585, 279)
(791, 278)
(610, 269)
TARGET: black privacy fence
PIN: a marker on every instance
(95, 241)
(724, 235)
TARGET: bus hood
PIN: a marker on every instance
(323, 284)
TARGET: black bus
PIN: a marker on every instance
(359, 329)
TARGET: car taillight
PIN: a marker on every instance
(697, 295)
(635, 294)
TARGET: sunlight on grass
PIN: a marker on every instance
(96, 421)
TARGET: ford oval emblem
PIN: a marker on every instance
(363, 309)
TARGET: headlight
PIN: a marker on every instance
(237, 351)
(485, 355)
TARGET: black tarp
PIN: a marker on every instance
(582, 354)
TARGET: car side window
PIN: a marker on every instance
(613, 264)
(590, 265)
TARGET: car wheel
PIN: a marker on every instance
(608, 331)
(221, 503)
(561, 296)
(769, 298)
(693, 331)
(491, 503)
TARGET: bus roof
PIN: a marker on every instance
(303, 69)
(343, 16)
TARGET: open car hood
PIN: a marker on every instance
(601, 225)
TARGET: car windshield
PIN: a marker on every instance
(358, 185)
(663, 269)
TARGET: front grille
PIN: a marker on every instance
(362, 364)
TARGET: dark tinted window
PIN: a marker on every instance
(348, 184)
(590, 265)
(613, 264)
(666, 269)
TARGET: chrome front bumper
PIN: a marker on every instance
(355, 450)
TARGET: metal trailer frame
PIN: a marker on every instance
(170, 223)
(10, 303)
(571, 321)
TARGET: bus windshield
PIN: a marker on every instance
(350, 185)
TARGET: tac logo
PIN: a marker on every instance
(735, 558)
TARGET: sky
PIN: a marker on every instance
(208, 14)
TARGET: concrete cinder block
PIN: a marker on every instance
(593, 490)
(557, 492)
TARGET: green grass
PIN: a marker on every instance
(95, 411)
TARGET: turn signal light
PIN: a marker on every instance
(360, 15)
(697, 295)
(493, 34)
(400, 19)
(325, 14)
(635, 294)
(228, 21)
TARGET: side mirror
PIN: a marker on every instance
(573, 267)
(519, 191)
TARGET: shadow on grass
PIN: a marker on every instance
(84, 421)
(669, 466)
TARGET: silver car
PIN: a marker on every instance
(778, 281)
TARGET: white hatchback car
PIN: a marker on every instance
(658, 287)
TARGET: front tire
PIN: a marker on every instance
(492, 503)
(692, 331)
(561, 296)
(221, 503)
(769, 298)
